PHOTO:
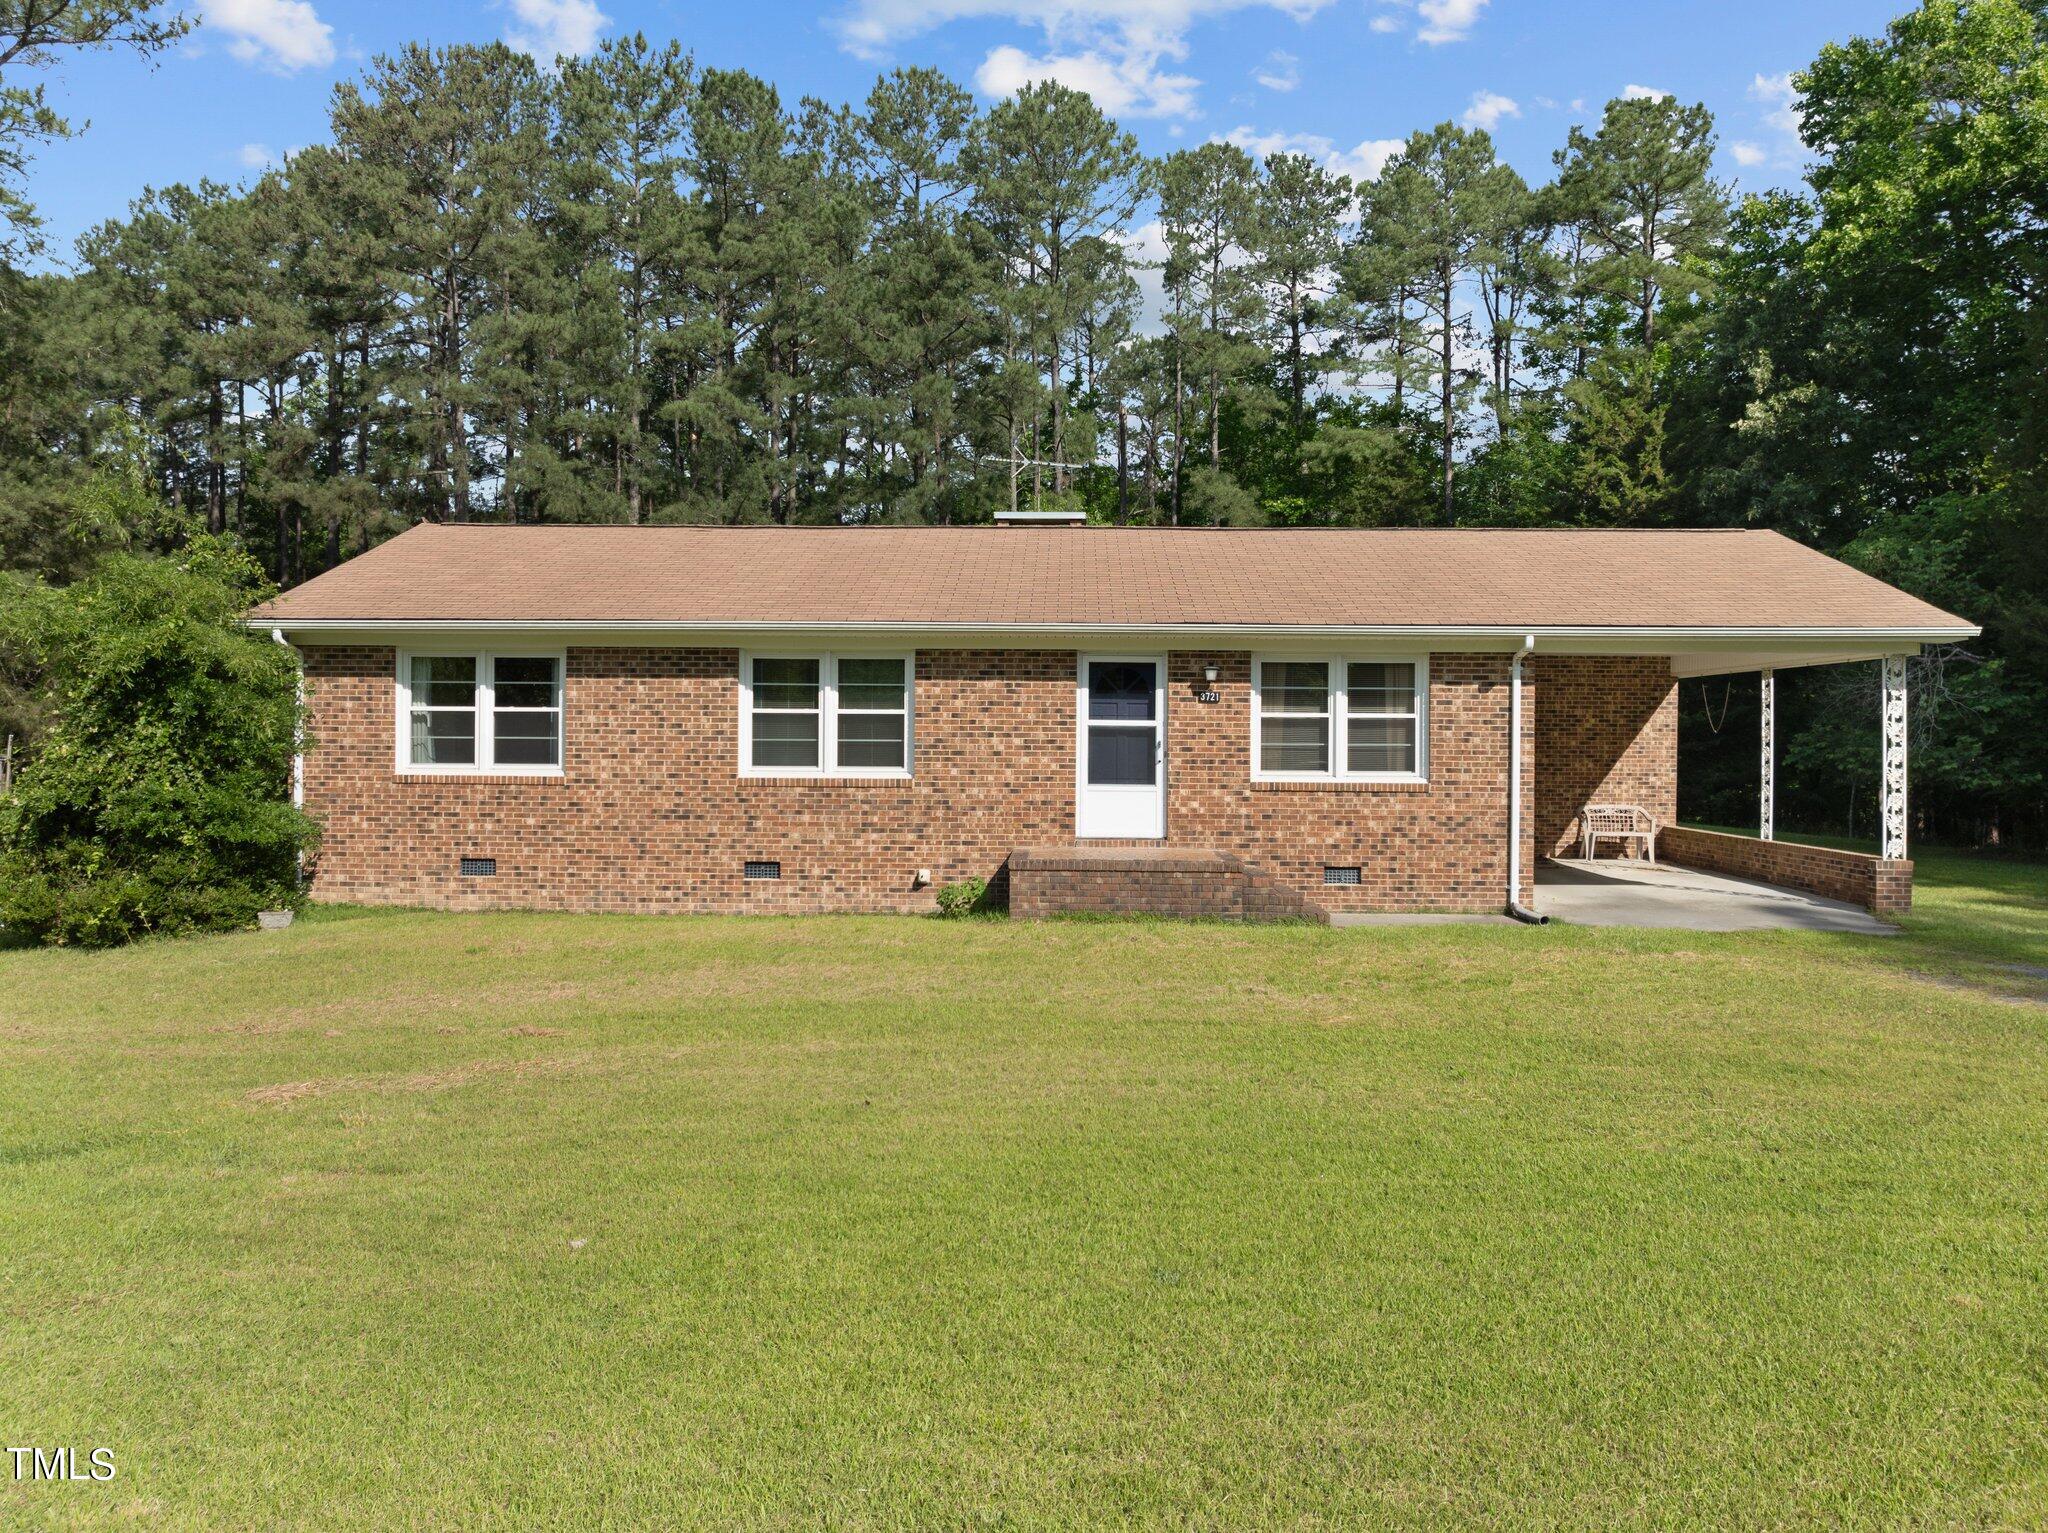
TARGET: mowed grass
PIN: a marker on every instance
(483, 1221)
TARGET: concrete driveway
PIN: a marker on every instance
(1621, 893)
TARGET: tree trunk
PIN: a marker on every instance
(1215, 422)
(636, 387)
(1123, 483)
(454, 443)
(1215, 382)
(1445, 391)
(216, 472)
(1649, 282)
(1179, 416)
(1400, 348)
(362, 424)
(1059, 422)
(1294, 355)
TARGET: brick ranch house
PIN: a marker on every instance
(842, 719)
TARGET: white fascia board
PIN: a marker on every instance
(1482, 638)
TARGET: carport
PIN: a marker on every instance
(1622, 892)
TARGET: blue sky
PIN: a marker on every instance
(1341, 79)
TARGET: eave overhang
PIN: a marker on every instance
(1694, 651)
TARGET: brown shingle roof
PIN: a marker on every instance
(1088, 577)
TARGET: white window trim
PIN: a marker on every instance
(486, 696)
(1339, 732)
(828, 714)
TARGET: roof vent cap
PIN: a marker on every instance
(1041, 518)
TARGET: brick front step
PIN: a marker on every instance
(1150, 880)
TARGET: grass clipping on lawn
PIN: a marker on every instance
(466, 1220)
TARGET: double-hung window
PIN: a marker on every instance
(480, 712)
(825, 715)
(1337, 719)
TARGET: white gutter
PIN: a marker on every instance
(1515, 906)
(1196, 630)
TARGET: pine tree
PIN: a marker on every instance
(1300, 207)
(1515, 269)
(620, 227)
(912, 317)
(1640, 187)
(32, 34)
(448, 147)
(1208, 211)
(1052, 177)
(1429, 222)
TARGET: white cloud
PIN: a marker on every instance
(1781, 100)
(1365, 160)
(256, 156)
(1119, 51)
(1779, 144)
(1280, 72)
(1123, 87)
(552, 29)
(1644, 93)
(1447, 21)
(1145, 246)
(1488, 108)
(1159, 26)
(1385, 23)
(285, 35)
(1361, 163)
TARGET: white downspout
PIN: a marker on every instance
(298, 732)
(298, 726)
(1515, 906)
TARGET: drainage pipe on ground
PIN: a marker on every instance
(1516, 908)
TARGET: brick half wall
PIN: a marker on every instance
(1881, 885)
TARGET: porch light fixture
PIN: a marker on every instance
(1209, 674)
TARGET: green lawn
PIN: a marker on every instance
(468, 1221)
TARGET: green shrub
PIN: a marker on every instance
(159, 799)
(966, 898)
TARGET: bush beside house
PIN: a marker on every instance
(159, 799)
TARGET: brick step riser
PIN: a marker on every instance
(1215, 892)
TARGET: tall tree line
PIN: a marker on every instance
(636, 290)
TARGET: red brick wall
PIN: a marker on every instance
(651, 814)
(1881, 885)
(1435, 846)
(1606, 733)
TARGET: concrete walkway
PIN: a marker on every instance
(1622, 893)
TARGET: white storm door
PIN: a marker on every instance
(1122, 787)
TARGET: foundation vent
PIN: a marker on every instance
(479, 867)
(1345, 876)
(763, 870)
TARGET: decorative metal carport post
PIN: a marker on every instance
(1767, 814)
(1892, 696)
